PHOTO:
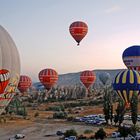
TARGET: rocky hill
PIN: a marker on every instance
(71, 79)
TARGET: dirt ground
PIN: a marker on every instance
(35, 128)
(38, 129)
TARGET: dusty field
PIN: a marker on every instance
(37, 130)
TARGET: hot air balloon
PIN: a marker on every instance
(104, 77)
(127, 83)
(131, 57)
(24, 83)
(87, 78)
(4, 80)
(48, 77)
(9, 68)
(78, 30)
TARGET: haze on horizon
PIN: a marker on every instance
(40, 29)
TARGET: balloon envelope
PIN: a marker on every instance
(104, 77)
(48, 77)
(126, 83)
(9, 68)
(131, 57)
(78, 30)
(87, 78)
(4, 80)
(24, 83)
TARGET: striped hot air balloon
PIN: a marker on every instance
(127, 83)
(78, 30)
(48, 77)
(24, 83)
(87, 78)
(4, 80)
(131, 57)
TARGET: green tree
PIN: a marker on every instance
(134, 108)
(107, 106)
(120, 111)
(106, 109)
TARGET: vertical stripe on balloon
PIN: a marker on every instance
(131, 77)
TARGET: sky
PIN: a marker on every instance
(40, 30)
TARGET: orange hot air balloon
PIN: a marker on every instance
(78, 30)
(48, 77)
(24, 83)
(87, 78)
(4, 80)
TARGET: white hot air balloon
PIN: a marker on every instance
(9, 68)
(104, 77)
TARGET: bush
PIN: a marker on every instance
(70, 118)
(62, 108)
(60, 115)
(88, 131)
(36, 114)
(100, 134)
(56, 108)
(29, 105)
(91, 103)
(124, 131)
(22, 112)
(70, 132)
(51, 100)
(133, 130)
(82, 103)
(30, 100)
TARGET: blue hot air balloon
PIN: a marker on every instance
(131, 57)
(127, 83)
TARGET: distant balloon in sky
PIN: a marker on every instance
(127, 83)
(78, 30)
(131, 57)
(48, 77)
(9, 68)
(87, 78)
(24, 83)
(104, 77)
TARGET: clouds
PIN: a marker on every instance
(113, 9)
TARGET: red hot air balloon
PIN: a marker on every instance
(4, 80)
(24, 83)
(87, 78)
(78, 30)
(48, 77)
